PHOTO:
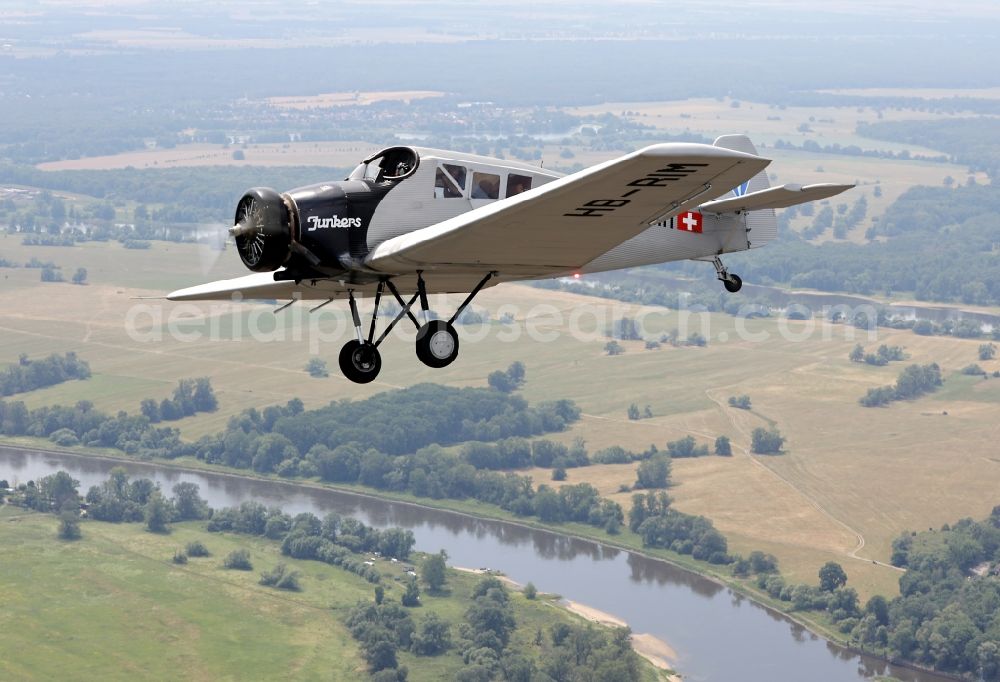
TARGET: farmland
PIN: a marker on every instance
(848, 474)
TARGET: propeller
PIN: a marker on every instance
(213, 241)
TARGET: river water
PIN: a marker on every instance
(717, 634)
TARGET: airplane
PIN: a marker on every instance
(416, 221)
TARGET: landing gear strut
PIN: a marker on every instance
(437, 340)
(359, 359)
(733, 283)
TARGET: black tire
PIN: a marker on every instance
(437, 344)
(733, 283)
(360, 362)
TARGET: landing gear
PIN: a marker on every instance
(733, 283)
(437, 340)
(360, 361)
(437, 344)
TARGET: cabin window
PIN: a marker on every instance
(485, 186)
(449, 182)
(517, 184)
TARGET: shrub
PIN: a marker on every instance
(281, 577)
(196, 549)
(740, 401)
(238, 560)
(180, 557)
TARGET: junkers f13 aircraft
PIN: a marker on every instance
(417, 221)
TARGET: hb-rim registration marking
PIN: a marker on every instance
(597, 208)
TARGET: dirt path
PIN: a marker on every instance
(853, 554)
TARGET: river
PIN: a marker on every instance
(717, 633)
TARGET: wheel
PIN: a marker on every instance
(733, 283)
(360, 362)
(437, 344)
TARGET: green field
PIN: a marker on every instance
(114, 606)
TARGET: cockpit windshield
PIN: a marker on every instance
(389, 165)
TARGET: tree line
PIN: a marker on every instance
(913, 382)
(29, 375)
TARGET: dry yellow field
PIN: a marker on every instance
(766, 123)
(342, 99)
(326, 154)
(923, 93)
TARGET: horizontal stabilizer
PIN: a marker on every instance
(775, 197)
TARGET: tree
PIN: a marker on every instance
(530, 591)
(832, 576)
(69, 522)
(516, 372)
(317, 368)
(379, 594)
(203, 396)
(613, 348)
(433, 636)
(633, 412)
(411, 594)
(654, 472)
(150, 410)
(857, 353)
(508, 381)
(766, 441)
(500, 381)
(51, 275)
(723, 447)
(559, 474)
(878, 607)
(686, 447)
(180, 557)
(433, 571)
(379, 650)
(57, 491)
(987, 351)
(157, 513)
(188, 504)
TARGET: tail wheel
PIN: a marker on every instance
(733, 283)
(437, 344)
(360, 362)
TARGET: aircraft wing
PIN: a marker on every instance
(775, 197)
(568, 222)
(260, 285)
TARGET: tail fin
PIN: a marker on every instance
(762, 226)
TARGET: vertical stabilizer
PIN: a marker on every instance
(762, 226)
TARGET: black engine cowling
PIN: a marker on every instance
(263, 229)
(319, 230)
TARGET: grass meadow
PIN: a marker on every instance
(113, 606)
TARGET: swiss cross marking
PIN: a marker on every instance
(689, 222)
